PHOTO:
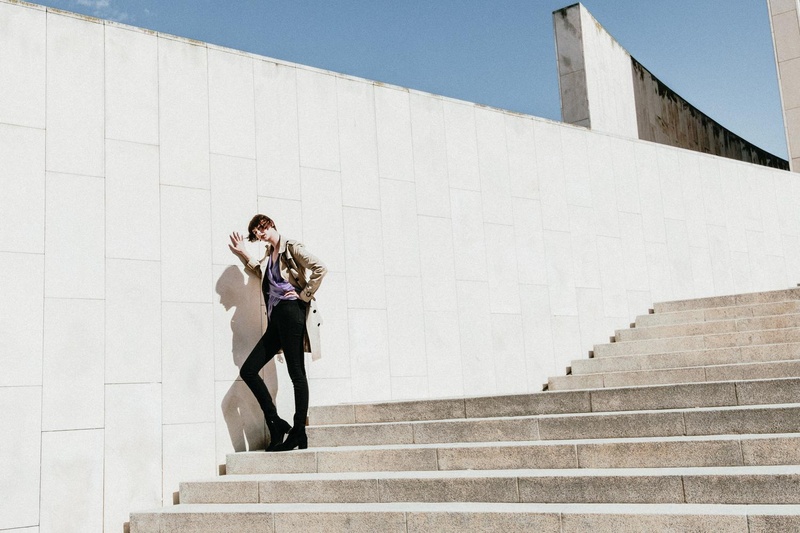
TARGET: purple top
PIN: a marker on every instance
(275, 287)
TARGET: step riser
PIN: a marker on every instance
(754, 298)
(622, 425)
(568, 402)
(515, 405)
(701, 342)
(678, 375)
(709, 328)
(723, 313)
(733, 452)
(455, 522)
(696, 489)
(630, 363)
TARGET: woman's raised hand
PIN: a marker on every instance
(237, 246)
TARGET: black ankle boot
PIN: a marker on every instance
(295, 439)
(277, 427)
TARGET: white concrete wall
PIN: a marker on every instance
(471, 251)
(785, 23)
(594, 75)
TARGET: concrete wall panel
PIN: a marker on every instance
(406, 327)
(364, 259)
(508, 353)
(550, 168)
(234, 201)
(493, 166)
(186, 251)
(369, 354)
(323, 218)
(73, 366)
(521, 143)
(20, 455)
(430, 156)
(23, 51)
(133, 451)
(187, 363)
(335, 333)
(131, 85)
(277, 144)
(188, 454)
(443, 345)
(475, 331)
(183, 113)
(231, 104)
(133, 229)
(75, 236)
(22, 316)
(358, 152)
(537, 335)
(318, 120)
(462, 146)
(75, 95)
(438, 268)
(133, 321)
(529, 242)
(72, 459)
(470, 240)
(22, 159)
(395, 152)
(400, 229)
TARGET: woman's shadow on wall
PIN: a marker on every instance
(242, 414)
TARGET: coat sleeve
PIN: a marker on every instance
(311, 263)
(255, 266)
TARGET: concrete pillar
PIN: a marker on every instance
(784, 16)
(594, 74)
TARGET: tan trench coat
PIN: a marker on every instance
(305, 272)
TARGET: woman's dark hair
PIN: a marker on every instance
(262, 222)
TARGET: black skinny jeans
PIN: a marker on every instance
(286, 329)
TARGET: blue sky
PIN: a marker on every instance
(715, 53)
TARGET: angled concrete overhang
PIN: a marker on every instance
(605, 89)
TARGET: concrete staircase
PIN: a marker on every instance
(688, 421)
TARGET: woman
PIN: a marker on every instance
(291, 323)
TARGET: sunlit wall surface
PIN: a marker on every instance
(471, 251)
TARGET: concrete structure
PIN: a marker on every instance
(607, 90)
(472, 251)
(784, 16)
(713, 451)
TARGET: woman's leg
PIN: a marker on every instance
(264, 350)
(292, 333)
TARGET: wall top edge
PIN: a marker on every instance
(258, 57)
(24, 4)
(565, 8)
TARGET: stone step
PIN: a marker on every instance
(696, 485)
(753, 298)
(724, 450)
(760, 353)
(697, 374)
(459, 517)
(709, 328)
(698, 342)
(717, 313)
(755, 419)
(751, 392)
